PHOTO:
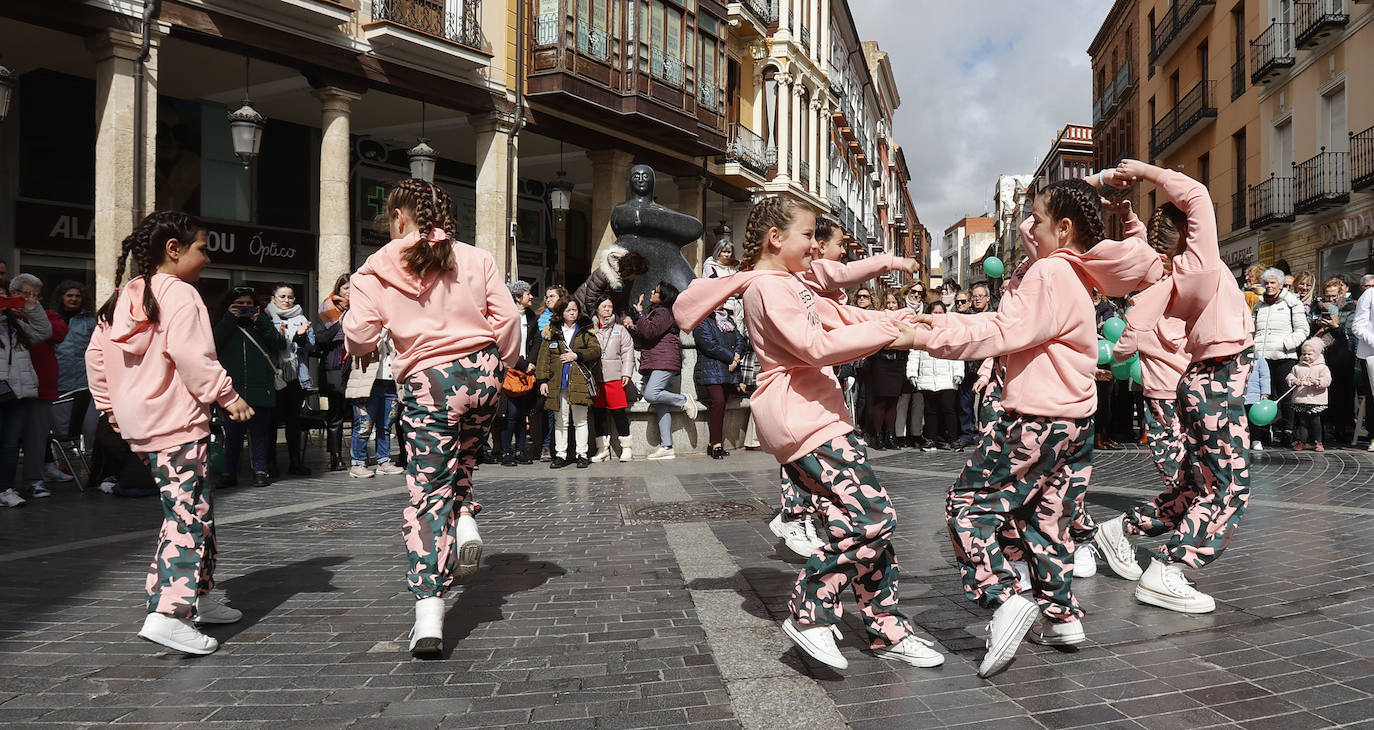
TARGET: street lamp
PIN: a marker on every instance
(7, 84)
(560, 190)
(246, 125)
(422, 156)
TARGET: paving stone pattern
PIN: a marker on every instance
(578, 620)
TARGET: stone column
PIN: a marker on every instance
(823, 148)
(690, 192)
(784, 125)
(797, 109)
(610, 174)
(116, 53)
(493, 232)
(336, 223)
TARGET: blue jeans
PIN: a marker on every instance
(515, 436)
(664, 401)
(374, 409)
(261, 438)
(13, 417)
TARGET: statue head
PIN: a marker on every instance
(641, 181)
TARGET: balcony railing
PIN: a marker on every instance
(832, 196)
(459, 26)
(1238, 211)
(1317, 20)
(1362, 159)
(1321, 182)
(710, 96)
(1125, 80)
(1271, 53)
(806, 37)
(750, 150)
(668, 68)
(1181, 122)
(804, 174)
(1271, 202)
(593, 42)
(546, 30)
(1238, 78)
(766, 11)
(1174, 25)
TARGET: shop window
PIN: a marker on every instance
(285, 176)
(57, 127)
(1349, 261)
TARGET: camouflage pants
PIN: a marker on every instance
(447, 412)
(1028, 472)
(1217, 463)
(1165, 434)
(859, 520)
(796, 502)
(1081, 527)
(183, 566)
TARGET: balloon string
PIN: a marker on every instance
(1285, 395)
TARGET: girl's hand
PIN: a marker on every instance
(910, 266)
(923, 320)
(305, 327)
(239, 410)
(624, 381)
(567, 357)
(1114, 179)
(1135, 171)
(544, 389)
(1120, 207)
(639, 305)
(629, 323)
(980, 385)
(905, 339)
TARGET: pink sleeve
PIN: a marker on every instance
(1028, 320)
(985, 370)
(832, 275)
(1132, 227)
(1028, 240)
(502, 314)
(95, 369)
(789, 327)
(1324, 376)
(1146, 310)
(362, 323)
(1200, 240)
(191, 346)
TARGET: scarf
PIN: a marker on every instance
(1270, 300)
(332, 308)
(724, 322)
(282, 315)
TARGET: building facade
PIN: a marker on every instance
(1010, 203)
(966, 244)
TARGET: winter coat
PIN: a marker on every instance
(1257, 386)
(605, 283)
(332, 374)
(617, 351)
(45, 360)
(16, 366)
(361, 377)
(657, 335)
(1310, 395)
(715, 351)
(931, 373)
(71, 353)
(529, 322)
(254, 374)
(293, 361)
(549, 370)
(1280, 328)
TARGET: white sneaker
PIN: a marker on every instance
(1023, 576)
(1371, 446)
(1084, 561)
(1005, 631)
(427, 636)
(813, 538)
(691, 407)
(1258, 445)
(662, 453)
(1165, 586)
(108, 486)
(1052, 633)
(469, 545)
(1117, 548)
(54, 473)
(817, 641)
(40, 490)
(359, 471)
(212, 611)
(626, 453)
(11, 498)
(176, 633)
(913, 650)
(603, 450)
(390, 469)
(794, 535)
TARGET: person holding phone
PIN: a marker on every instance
(247, 343)
(1333, 325)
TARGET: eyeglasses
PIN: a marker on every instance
(961, 301)
(863, 296)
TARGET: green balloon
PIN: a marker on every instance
(993, 267)
(1136, 373)
(1264, 412)
(1104, 352)
(1121, 370)
(1112, 328)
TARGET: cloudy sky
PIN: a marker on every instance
(985, 86)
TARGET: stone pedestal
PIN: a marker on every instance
(689, 436)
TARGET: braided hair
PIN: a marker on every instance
(145, 249)
(431, 207)
(1166, 226)
(774, 211)
(1079, 202)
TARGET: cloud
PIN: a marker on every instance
(985, 86)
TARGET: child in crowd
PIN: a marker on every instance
(1257, 388)
(453, 325)
(1311, 378)
(152, 369)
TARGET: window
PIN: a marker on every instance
(595, 18)
(661, 27)
(1333, 134)
(1151, 105)
(1174, 89)
(1204, 169)
(708, 66)
(1282, 162)
(1203, 50)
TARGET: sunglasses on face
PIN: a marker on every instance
(864, 296)
(244, 291)
(961, 301)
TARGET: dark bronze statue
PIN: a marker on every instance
(657, 232)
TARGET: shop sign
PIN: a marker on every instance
(71, 229)
(1266, 254)
(1240, 254)
(1360, 225)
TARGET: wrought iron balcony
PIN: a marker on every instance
(709, 96)
(665, 67)
(434, 18)
(1362, 159)
(1321, 182)
(1271, 202)
(832, 196)
(753, 18)
(1271, 53)
(1316, 21)
(749, 149)
(1238, 211)
(806, 37)
(1238, 78)
(1181, 20)
(546, 29)
(1194, 110)
(1125, 80)
(593, 42)
(804, 174)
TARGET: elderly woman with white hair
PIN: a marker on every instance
(22, 328)
(1281, 326)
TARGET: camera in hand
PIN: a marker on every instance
(13, 302)
(246, 310)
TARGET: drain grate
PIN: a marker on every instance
(694, 511)
(327, 525)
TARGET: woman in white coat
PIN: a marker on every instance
(1281, 326)
(937, 381)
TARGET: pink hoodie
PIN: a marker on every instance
(797, 335)
(1204, 293)
(157, 381)
(1163, 356)
(1045, 328)
(829, 278)
(435, 320)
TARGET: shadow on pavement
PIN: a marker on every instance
(480, 602)
(261, 592)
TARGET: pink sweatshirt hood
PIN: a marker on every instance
(389, 264)
(131, 331)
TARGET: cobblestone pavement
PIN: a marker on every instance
(594, 612)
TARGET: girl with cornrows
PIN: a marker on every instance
(152, 369)
(1046, 333)
(803, 423)
(452, 324)
(1201, 511)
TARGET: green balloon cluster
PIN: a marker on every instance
(1104, 352)
(1127, 370)
(1112, 328)
(993, 267)
(1264, 412)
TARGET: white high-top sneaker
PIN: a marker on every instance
(1007, 628)
(817, 641)
(1165, 586)
(176, 633)
(1117, 548)
(603, 450)
(427, 637)
(468, 543)
(1084, 561)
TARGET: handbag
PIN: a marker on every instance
(517, 382)
(277, 379)
(593, 387)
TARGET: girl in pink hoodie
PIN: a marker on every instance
(453, 324)
(803, 423)
(1311, 378)
(1034, 464)
(153, 369)
(1219, 341)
